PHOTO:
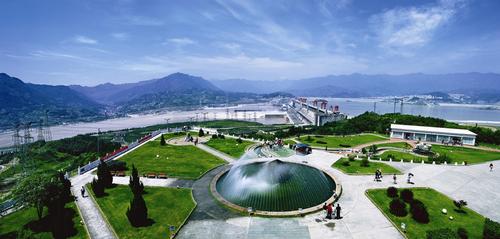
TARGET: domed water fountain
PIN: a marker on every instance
(275, 188)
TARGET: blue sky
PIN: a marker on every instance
(92, 42)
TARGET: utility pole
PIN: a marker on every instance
(98, 143)
(16, 138)
(47, 133)
(205, 116)
(27, 133)
(167, 119)
(395, 105)
(401, 109)
(227, 113)
(374, 107)
(197, 116)
(215, 115)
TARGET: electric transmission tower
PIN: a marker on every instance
(40, 136)
(46, 128)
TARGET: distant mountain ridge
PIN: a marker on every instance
(21, 101)
(361, 85)
(118, 93)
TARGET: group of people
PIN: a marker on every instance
(190, 138)
(410, 175)
(378, 176)
(329, 211)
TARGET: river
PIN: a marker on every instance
(458, 113)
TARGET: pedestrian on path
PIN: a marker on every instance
(394, 178)
(83, 191)
(491, 167)
(409, 178)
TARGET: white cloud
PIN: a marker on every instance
(180, 41)
(120, 35)
(143, 21)
(413, 26)
(84, 40)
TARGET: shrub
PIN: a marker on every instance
(407, 195)
(443, 233)
(462, 233)
(221, 136)
(320, 142)
(392, 192)
(104, 175)
(214, 136)
(309, 139)
(239, 141)
(398, 207)
(440, 159)
(365, 163)
(345, 145)
(162, 140)
(346, 163)
(117, 165)
(491, 229)
(389, 156)
(363, 150)
(418, 211)
(351, 157)
(459, 204)
(201, 133)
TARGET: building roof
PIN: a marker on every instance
(435, 130)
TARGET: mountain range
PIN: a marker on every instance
(361, 85)
(21, 102)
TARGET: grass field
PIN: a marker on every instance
(186, 162)
(461, 154)
(356, 168)
(401, 145)
(27, 218)
(166, 207)
(229, 146)
(397, 156)
(434, 201)
(339, 141)
(493, 146)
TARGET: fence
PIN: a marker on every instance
(118, 152)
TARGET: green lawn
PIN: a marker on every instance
(356, 168)
(434, 201)
(229, 146)
(401, 145)
(10, 224)
(186, 162)
(461, 154)
(493, 146)
(227, 123)
(397, 156)
(166, 207)
(339, 141)
(289, 141)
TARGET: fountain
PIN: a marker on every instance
(274, 188)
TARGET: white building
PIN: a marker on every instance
(433, 134)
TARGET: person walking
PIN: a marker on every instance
(83, 191)
(337, 211)
(329, 210)
(409, 178)
(491, 167)
(394, 178)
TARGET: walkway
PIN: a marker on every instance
(96, 224)
(216, 153)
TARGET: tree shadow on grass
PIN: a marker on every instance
(461, 211)
(60, 227)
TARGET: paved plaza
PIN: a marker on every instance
(360, 217)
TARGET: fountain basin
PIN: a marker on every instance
(275, 188)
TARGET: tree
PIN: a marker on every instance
(137, 213)
(407, 195)
(135, 184)
(392, 192)
(398, 207)
(32, 192)
(104, 175)
(55, 200)
(97, 187)
(419, 211)
(162, 140)
(201, 133)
